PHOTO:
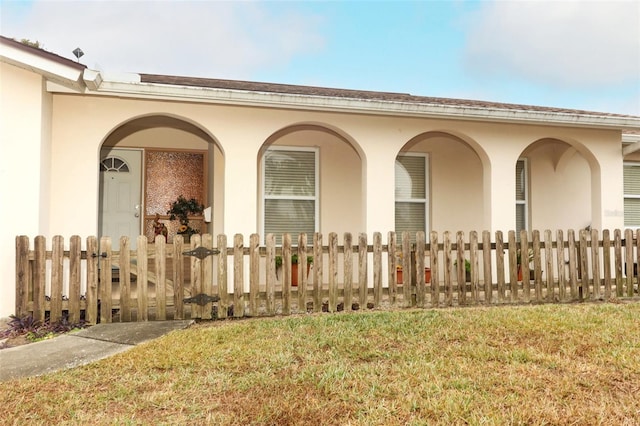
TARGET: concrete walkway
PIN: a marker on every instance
(86, 346)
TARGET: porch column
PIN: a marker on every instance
(379, 192)
(240, 190)
(499, 195)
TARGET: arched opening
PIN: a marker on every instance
(167, 157)
(557, 182)
(446, 186)
(310, 180)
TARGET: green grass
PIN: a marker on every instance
(551, 364)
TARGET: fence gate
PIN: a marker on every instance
(202, 289)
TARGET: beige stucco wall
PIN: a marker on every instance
(57, 139)
(25, 110)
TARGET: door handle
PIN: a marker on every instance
(137, 213)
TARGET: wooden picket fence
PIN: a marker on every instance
(200, 280)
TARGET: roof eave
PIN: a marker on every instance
(351, 105)
(69, 76)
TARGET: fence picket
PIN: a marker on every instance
(448, 285)
(57, 260)
(473, 260)
(142, 282)
(317, 272)
(223, 280)
(419, 265)
(500, 266)
(124, 263)
(254, 273)
(524, 266)
(333, 272)
(362, 271)
(178, 278)
(39, 278)
(513, 268)
(303, 280)
(238, 277)
(92, 280)
(393, 268)
(75, 252)
(573, 264)
(407, 275)
(537, 266)
(606, 263)
(595, 264)
(161, 277)
(433, 264)
(348, 271)
(271, 274)
(628, 236)
(584, 292)
(461, 269)
(486, 265)
(548, 255)
(377, 269)
(562, 277)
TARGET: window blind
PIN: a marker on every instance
(411, 194)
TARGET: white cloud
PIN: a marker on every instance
(570, 43)
(195, 38)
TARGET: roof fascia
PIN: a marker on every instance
(350, 105)
(56, 72)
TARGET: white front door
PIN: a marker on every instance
(120, 200)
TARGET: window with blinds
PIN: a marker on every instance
(290, 192)
(631, 178)
(411, 187)
(521, 196)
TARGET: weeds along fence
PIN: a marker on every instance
(203, 280)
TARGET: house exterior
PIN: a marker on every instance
(91, 153)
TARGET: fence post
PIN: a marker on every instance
(22, 274)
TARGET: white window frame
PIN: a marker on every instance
(315, 198)
(427, 189)
(628, 196)
(524, 202)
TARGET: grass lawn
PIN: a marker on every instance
(549, 364)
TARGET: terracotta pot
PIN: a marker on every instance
(427, 275)
(294, 273)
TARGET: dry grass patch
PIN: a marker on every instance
(552, 364)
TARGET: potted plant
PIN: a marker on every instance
(181, 209)
(399, 274)
(519, 263)
(294, 267)
(467, 269)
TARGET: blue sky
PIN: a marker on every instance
(571, 54)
